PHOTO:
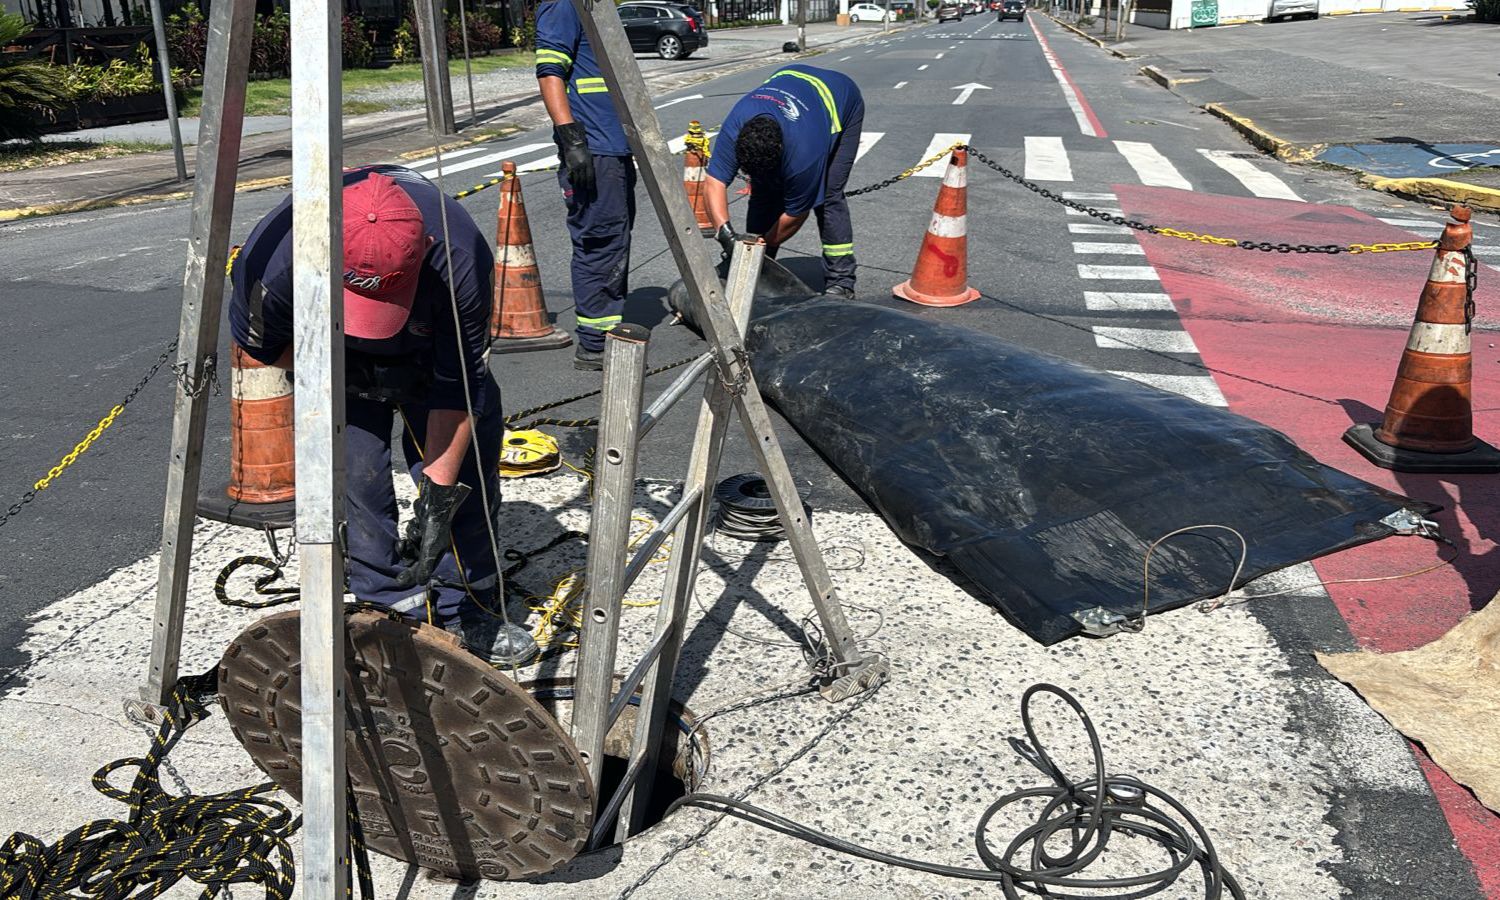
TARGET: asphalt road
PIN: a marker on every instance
(91, 299)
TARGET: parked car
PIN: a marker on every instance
(1016, 9)
(666, 29)
(952, 11)
(1292, 9)
(866, 12)
(688, 8)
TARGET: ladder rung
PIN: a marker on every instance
(633, 680)
(612, 809)
(656, 538)
(669, 397)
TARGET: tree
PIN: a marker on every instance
(28, 91)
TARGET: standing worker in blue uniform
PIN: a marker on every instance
(795, 137)
(597, 174)
(417, 296)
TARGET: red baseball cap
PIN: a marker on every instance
(384, 244)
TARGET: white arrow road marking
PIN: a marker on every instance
(680, 100)
(965, 91)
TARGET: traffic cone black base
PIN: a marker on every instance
(1479, 460)
(554, 340)
(215, 504)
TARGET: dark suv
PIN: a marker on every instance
(1012, 9)
(670, 30)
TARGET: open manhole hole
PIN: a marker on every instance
(683, 763)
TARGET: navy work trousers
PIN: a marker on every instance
(465, 575)
(835, 228)
(600, 224)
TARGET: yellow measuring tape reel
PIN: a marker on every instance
(525, 453)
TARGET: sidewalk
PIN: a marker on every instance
(1405, 100)
(378, 137)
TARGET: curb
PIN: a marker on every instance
(1437, 189)
(1278, 147)
(72, 206)
(1088, 37)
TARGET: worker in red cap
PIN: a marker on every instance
(417, 295)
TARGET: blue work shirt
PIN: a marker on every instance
(810, 105)
(563, 51)
(260, 306)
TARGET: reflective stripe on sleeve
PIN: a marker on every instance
(591, 86)
(544, 55)
(823, 92)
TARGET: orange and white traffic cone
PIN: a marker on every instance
(941, 274)
(262, 447)
(694, 171)
(520, 321)
(1429, 419)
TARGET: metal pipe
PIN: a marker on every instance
(674, 392)
(318, 365)
(165, 61)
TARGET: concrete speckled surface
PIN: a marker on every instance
(1200, 705)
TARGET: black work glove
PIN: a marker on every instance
(577, 159)
(727, 238)
(430, 531)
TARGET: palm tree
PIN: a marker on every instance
(27, 90)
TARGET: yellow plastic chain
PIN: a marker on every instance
(79, 449)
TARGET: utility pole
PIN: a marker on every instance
(802, 25)
(463, 24)
(1124, 6)
(159, 26)
(432, 37)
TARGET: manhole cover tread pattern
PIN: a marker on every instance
(454, 767)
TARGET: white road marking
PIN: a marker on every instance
(1047, 160)
(1107, 210)
(1422, 224)
(940, 142)
(899, 86)
(1109, 337)
(939, 56)
(1079, 195)
(1070, 94)
(1092, 228)
(867, 140)
(451, 154)
(1195, 387)
(679, 100)
(1152, 168)
(844, 58)
(488, 159)
(1256, 180)
(1118, 273)
(1109, 248)
(921, 67)
(1127, 301)
(965, 91)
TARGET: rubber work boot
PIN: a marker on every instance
(486, 636)
(588, 360)
(838, 292)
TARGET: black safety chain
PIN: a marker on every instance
(275, 596)
(1471, 284)
(67, 460)
(516, 417)
(192, 387)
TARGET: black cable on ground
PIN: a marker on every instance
(1081, 815)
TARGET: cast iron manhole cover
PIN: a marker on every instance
(454, 767)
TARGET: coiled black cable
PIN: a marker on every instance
(1085, 814)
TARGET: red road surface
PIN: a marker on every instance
(1321, 336)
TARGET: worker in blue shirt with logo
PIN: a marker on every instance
(597, 174)
(795, 137)
(418, 276)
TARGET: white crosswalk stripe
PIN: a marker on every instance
(1109, 337)
(1094, 228)
(1415, 224)
(867, 140)
(1127, 301)
(488, 159)
(1047, 160)
(1195, 387)
(1107, 210)
(451, 154)
(1109, 248)
(1151, 166)
(1255, 179)
(1118, 273)
(1084, 196)
(940, 142)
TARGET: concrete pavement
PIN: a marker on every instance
(1306, 793)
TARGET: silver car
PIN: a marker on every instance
(1291, 9)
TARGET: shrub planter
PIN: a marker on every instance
(112, 111)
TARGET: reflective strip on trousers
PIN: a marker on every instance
(838, 249)
(603, 323)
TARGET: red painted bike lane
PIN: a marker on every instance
(1308, 344)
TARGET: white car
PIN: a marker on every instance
(867, 12)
